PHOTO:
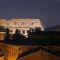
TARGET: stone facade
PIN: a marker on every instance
(23, 25)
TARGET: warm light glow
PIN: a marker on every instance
(21, 24)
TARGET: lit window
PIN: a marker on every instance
(31, 29)
(7, 23)
(27, 31)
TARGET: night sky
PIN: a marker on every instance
(47, 10)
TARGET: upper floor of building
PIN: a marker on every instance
(14, 23)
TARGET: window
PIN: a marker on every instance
(31, 30)
(23, 23)
(15, 23)
(19, 49)
(32, 23)
(23, 31)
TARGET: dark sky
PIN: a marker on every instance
(47, 10)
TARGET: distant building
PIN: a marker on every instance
(23, 25)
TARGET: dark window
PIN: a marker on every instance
(15, 23)
(23, 31)
(27, 31)
(23, 23)
(19, 49)
(32, 23)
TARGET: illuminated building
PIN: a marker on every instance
(23, 25)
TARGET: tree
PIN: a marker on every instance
(17, 36)
(7, 37)
(37, 29)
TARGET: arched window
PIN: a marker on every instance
(23, 31)
(23, 23)
(15, 23)
(27, 31)
(32, 23)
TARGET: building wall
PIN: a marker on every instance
(21, 24)
(2, 35)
